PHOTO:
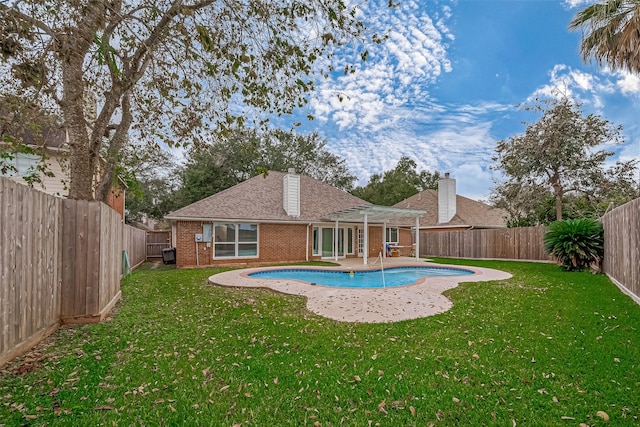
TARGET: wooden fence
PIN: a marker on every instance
(524, 243)
(135, 243)
(156, 242)
(622, 247)
(91, 260)
(60, 262)
(30, 267)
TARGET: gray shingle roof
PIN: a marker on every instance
(468, 212)
(261, 199)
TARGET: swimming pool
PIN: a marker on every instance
(370, 279)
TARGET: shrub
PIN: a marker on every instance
(576, 243)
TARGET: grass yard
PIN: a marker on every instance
(543, 348)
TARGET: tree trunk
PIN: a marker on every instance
(81, 161)
(557, 189)
(115, 149)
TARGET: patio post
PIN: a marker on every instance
(384, 238)
(417, 238)
(365, 255)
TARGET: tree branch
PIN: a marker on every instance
(16, 14)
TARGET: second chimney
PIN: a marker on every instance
(446, 199)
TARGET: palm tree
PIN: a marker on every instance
(611, 33)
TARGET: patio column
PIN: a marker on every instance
(335, 242)
(365, 243)
(384, 238)
(417, 238)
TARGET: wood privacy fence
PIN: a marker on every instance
(523, 243)
(156, 242)
(60, 262)
(30, 266)
(622, 247)
(135, 243)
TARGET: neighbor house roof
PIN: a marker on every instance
(469, 212)
(261, 199)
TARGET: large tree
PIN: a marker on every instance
(397, 184)
(560, 157)
(151, 175)
(611, 33)
(244, 153)
(170, 69)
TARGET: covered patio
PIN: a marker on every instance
(370, 214)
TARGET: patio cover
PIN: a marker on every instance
(379, 214)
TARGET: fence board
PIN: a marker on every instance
(111, 249)
(20, 272)
(92, 288)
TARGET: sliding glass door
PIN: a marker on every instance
(328, 242)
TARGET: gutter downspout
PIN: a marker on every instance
(306, 249)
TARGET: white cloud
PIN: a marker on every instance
(583, 87)
(454, 139)
(577, 3)
(630, 151)
(396, 72)
(629, 84)
(473, 181)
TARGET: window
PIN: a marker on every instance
(24, 164)
(350, 241)
(392, 235)
(316, 241)
(235, 240)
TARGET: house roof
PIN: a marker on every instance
(50, 134)
(261, 199)
(469, 212)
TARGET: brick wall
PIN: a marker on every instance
(116, 200)
(375, 241)
(404, 241)
(277, 243)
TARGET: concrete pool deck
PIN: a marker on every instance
(422, 299)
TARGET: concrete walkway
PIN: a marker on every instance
(422, 299)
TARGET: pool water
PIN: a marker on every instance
(393, 277)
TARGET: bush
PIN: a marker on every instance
(576, 243)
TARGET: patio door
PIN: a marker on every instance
(328, 242)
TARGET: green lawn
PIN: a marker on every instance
(543, 348)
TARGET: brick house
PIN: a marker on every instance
(283, 217)
(447, 211)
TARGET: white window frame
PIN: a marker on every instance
(316, 234)
(389, 234)
(236, 241)
(315, 241)
(24, 164)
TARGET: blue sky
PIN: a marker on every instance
(444, 88)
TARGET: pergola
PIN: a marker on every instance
(375, 214)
